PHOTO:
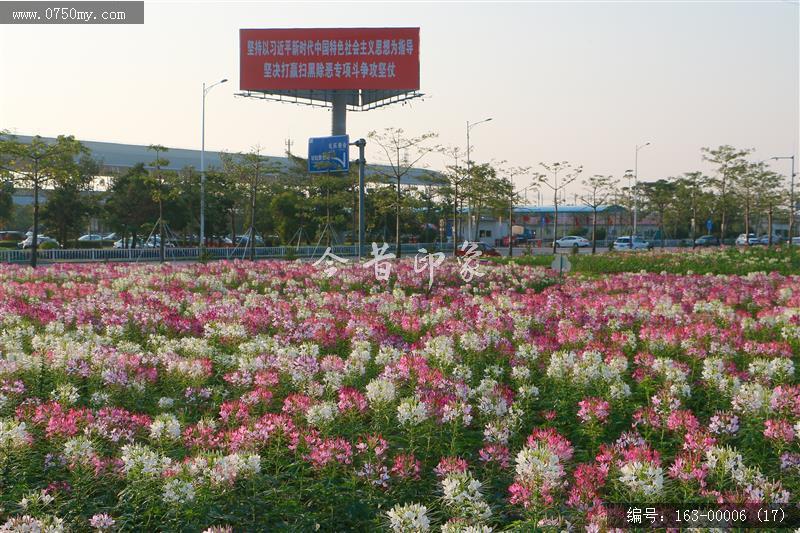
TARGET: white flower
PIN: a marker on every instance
(102, 521)
(321, 413)
(12, 434)
(139, 459)
(409, 518)
(78, 449)
(642, 478)
(411, 412)
(178, 491)
(100, 398)
(462, 496)
(65, 393)
(539, 463)
(380, 391)
(165, 426)
(165, 403)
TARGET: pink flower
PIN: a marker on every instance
(779, 431)
(102, 522)
(351, 399)
(450, 465)
(327, 451)
(406, 466)
(494, 452)
(594, 410)
(559, 444)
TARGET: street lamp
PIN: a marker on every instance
(469, 162)
(636, 185)
(203, 166)
(791, 197)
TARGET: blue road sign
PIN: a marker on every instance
(329, 154)
(709, 225)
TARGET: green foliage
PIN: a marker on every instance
(728, 261)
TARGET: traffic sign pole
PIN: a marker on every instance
(362, 162)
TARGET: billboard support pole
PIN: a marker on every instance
(339, 113)
(362, 162)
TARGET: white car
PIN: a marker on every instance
(27, 243)
(624, 243)
(90, 237)
(572, 241)
(743, 239)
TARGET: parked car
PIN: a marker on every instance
(628, 243)
(110, 237)
(572, 241)
(743, 240)
(126, 243)
(244, 240)
(155, 242)
(90, 237)
(481, 247)
(27, 243)
(776, 239)
(707, 240)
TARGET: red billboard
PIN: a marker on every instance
(329, 58)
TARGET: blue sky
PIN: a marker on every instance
(583, 82)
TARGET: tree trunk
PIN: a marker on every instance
(594, 230)
(160, 229)
(35, 236)
(747, 224)
(252, 240)
(769, 227)
(555, 219)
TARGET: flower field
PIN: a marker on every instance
(235, 396)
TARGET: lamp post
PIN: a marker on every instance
(636, 185)
(469, 162)
(203, 166)
(791, 198)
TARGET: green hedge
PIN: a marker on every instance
(733, 261)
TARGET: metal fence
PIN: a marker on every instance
(193, 254)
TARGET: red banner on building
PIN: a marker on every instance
(329, 58)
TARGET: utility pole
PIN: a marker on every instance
(362, 162)
(792, 206)
(203, 167)
(469, 167)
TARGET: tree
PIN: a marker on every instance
(402, 154)
(571, 174)
(769, 194)
(690, 198)
(68, 205)
(598, 190)
(659, 197)
(158, 176)
(248, 171)
(6, 201)
(730, 163)
(485, 190)
(455, 176)
(39, 165)
(130, 203)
